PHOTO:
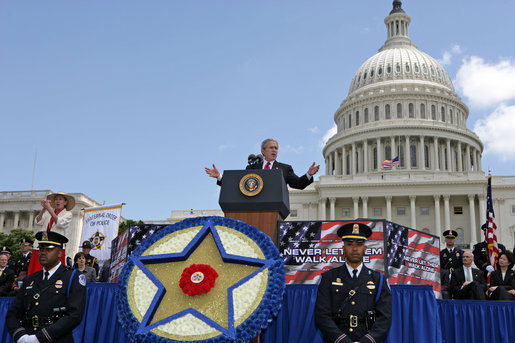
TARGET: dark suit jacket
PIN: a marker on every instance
(458, 278)
(480, 252)
(508, 282)
(290, 177)
(6, 282)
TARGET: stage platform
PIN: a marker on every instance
(417, 317)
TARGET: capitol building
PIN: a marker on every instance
(402, 105)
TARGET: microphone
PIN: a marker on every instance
(259, 158)
(251, 159)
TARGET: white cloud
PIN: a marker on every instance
(496, 132)
(331, 132)
(484, 84)
(448, 54)
(314, 129)
(224, 147)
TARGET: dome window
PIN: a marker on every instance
(451, 117)
(366, 116)
(372, 73)
(359, 78)
(387, 112)
(411, 111)
(407, 68)
(438, 72)
(416, 68)
(398, 68)
(376, 113)
(380, 70)
(399, 110)
(365, 75)
(422, 111)
(433, 112)
(442, 112)
(432, 71)
(388, 69)
(357, 118)
(424, 68)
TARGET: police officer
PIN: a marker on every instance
(22, 263)
(480, 253)
(51, 302)
(90, 260)
(450, 259)
(353, 302)
(9, 253)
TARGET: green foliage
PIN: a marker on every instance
(12, 240)
(124, 225)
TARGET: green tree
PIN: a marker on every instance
(13, 239)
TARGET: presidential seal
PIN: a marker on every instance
(205, 279)
(251, 184)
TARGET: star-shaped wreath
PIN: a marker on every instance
(206, 279)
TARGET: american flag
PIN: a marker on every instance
(138, 233)
(390, 163)
(491, 236)
(323, 236)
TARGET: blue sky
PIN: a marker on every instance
(128, 101)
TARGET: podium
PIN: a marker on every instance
(257, 197)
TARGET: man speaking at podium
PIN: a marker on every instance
(269, 149)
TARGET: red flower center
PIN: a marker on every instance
(197, 279)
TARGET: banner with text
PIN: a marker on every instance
(412, 257)
(310, 248)
(100, 227)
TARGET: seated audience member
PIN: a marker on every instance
(502, 280)
(467, 282)
(80, 264)
(6, 276)
(10, 263)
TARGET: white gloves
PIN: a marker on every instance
(28, 339)
(490, 268)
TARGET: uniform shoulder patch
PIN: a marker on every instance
(82, 280)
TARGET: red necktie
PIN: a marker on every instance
(267, 165)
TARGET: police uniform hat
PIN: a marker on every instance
(86, 244)
(6, 250)
(450, 234)
(484, 226)
(50, 239)
(354, 232)
(26, 241)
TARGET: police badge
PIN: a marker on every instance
(251, 184)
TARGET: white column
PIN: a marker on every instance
(479, 168)
(413, 211)
(474, 156)
(379, 160)
(472, 214)
(482, 208)
(438, 226)
(365, 206)
(365, 156)
(353, 159)
(16, 222)
(326, 165)
(2, 220)
(356, 207)
(337, 163)
(460, 158)
(31, 220)
(449, 162)
(435, 156)
(344, 161)
(447, 212)
(407, 154)
(313, 210)
(422, 159)
(321, 208)
(331, 165)
(467, 158)
(388, 207)
(332, 201)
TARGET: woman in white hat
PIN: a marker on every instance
(55, 214)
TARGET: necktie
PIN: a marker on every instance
(469, 275)
(46, 276)
(354, 274)
(267, 165)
